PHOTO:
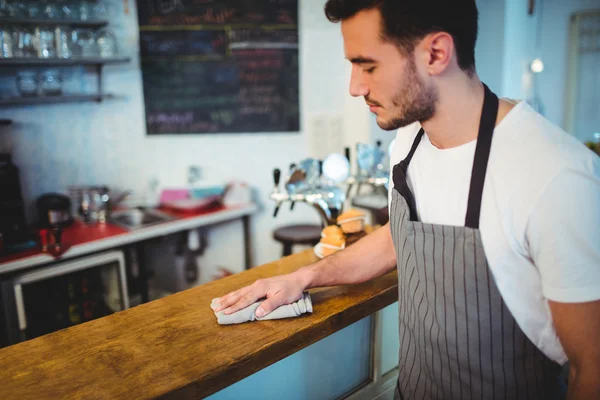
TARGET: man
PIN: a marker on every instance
(494, 217)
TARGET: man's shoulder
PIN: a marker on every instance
(530, 145)
(528, 153)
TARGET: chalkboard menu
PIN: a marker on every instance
(212, 66)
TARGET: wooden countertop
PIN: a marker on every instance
(174, 348)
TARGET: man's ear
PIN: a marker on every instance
(436, 52)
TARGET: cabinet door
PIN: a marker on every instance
(328, 369)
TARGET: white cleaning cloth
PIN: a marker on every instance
(301, 306)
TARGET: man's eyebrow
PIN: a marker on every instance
(362, 60)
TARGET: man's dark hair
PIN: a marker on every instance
(405, 22)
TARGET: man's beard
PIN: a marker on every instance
(415, 102)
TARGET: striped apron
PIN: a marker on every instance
(458, 340)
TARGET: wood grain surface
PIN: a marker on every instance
(174, 348)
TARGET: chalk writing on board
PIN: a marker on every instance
(212, 66)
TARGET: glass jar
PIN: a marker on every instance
(51, 82)
(86, 43)
(27, 83)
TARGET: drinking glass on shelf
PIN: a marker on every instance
(85, 10)
(107, 43)
(75, 49)
(3, 8)
(34, 9)
(86, 41)
(6, 43)
(68, 9)
(16, 8)
(24, 42)
(50, 82)
(99, 9)
(50, 10)
(44, 40)
(27, 83)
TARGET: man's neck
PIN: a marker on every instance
(458, 113)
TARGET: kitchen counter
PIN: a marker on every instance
(82, 239)
(174, 348)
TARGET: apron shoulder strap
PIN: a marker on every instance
(482, 155)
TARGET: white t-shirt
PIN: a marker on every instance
(540, 213)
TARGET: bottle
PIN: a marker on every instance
(6, 43)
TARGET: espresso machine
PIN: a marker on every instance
(325, 185)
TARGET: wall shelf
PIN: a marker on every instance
(44, 62)
(69, 22)
(70, 98)
(97, 63)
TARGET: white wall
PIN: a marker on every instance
(543, 35)
(489, 51)
(60, 145)
(555, 19)
(519, 46)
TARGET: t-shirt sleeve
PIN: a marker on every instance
(563, 234)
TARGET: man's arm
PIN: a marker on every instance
(563, 241)
(370, 257)
(578, 328)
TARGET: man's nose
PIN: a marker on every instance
(357, 87)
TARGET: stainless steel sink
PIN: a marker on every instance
(136, 218)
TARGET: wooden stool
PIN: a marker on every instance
(297, 234)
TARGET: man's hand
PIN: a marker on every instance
(279, 290)
(370, 257)
(578, 328)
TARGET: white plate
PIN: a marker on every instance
(318, 250)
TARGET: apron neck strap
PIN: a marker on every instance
(482, 155)
(404, 163)
(480, 162)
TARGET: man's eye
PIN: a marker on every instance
(369, 70)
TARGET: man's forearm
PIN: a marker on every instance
(583, 385)
(370, 257)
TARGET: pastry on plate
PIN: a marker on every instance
(332, 244)
(352, 221)
(332, 231)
